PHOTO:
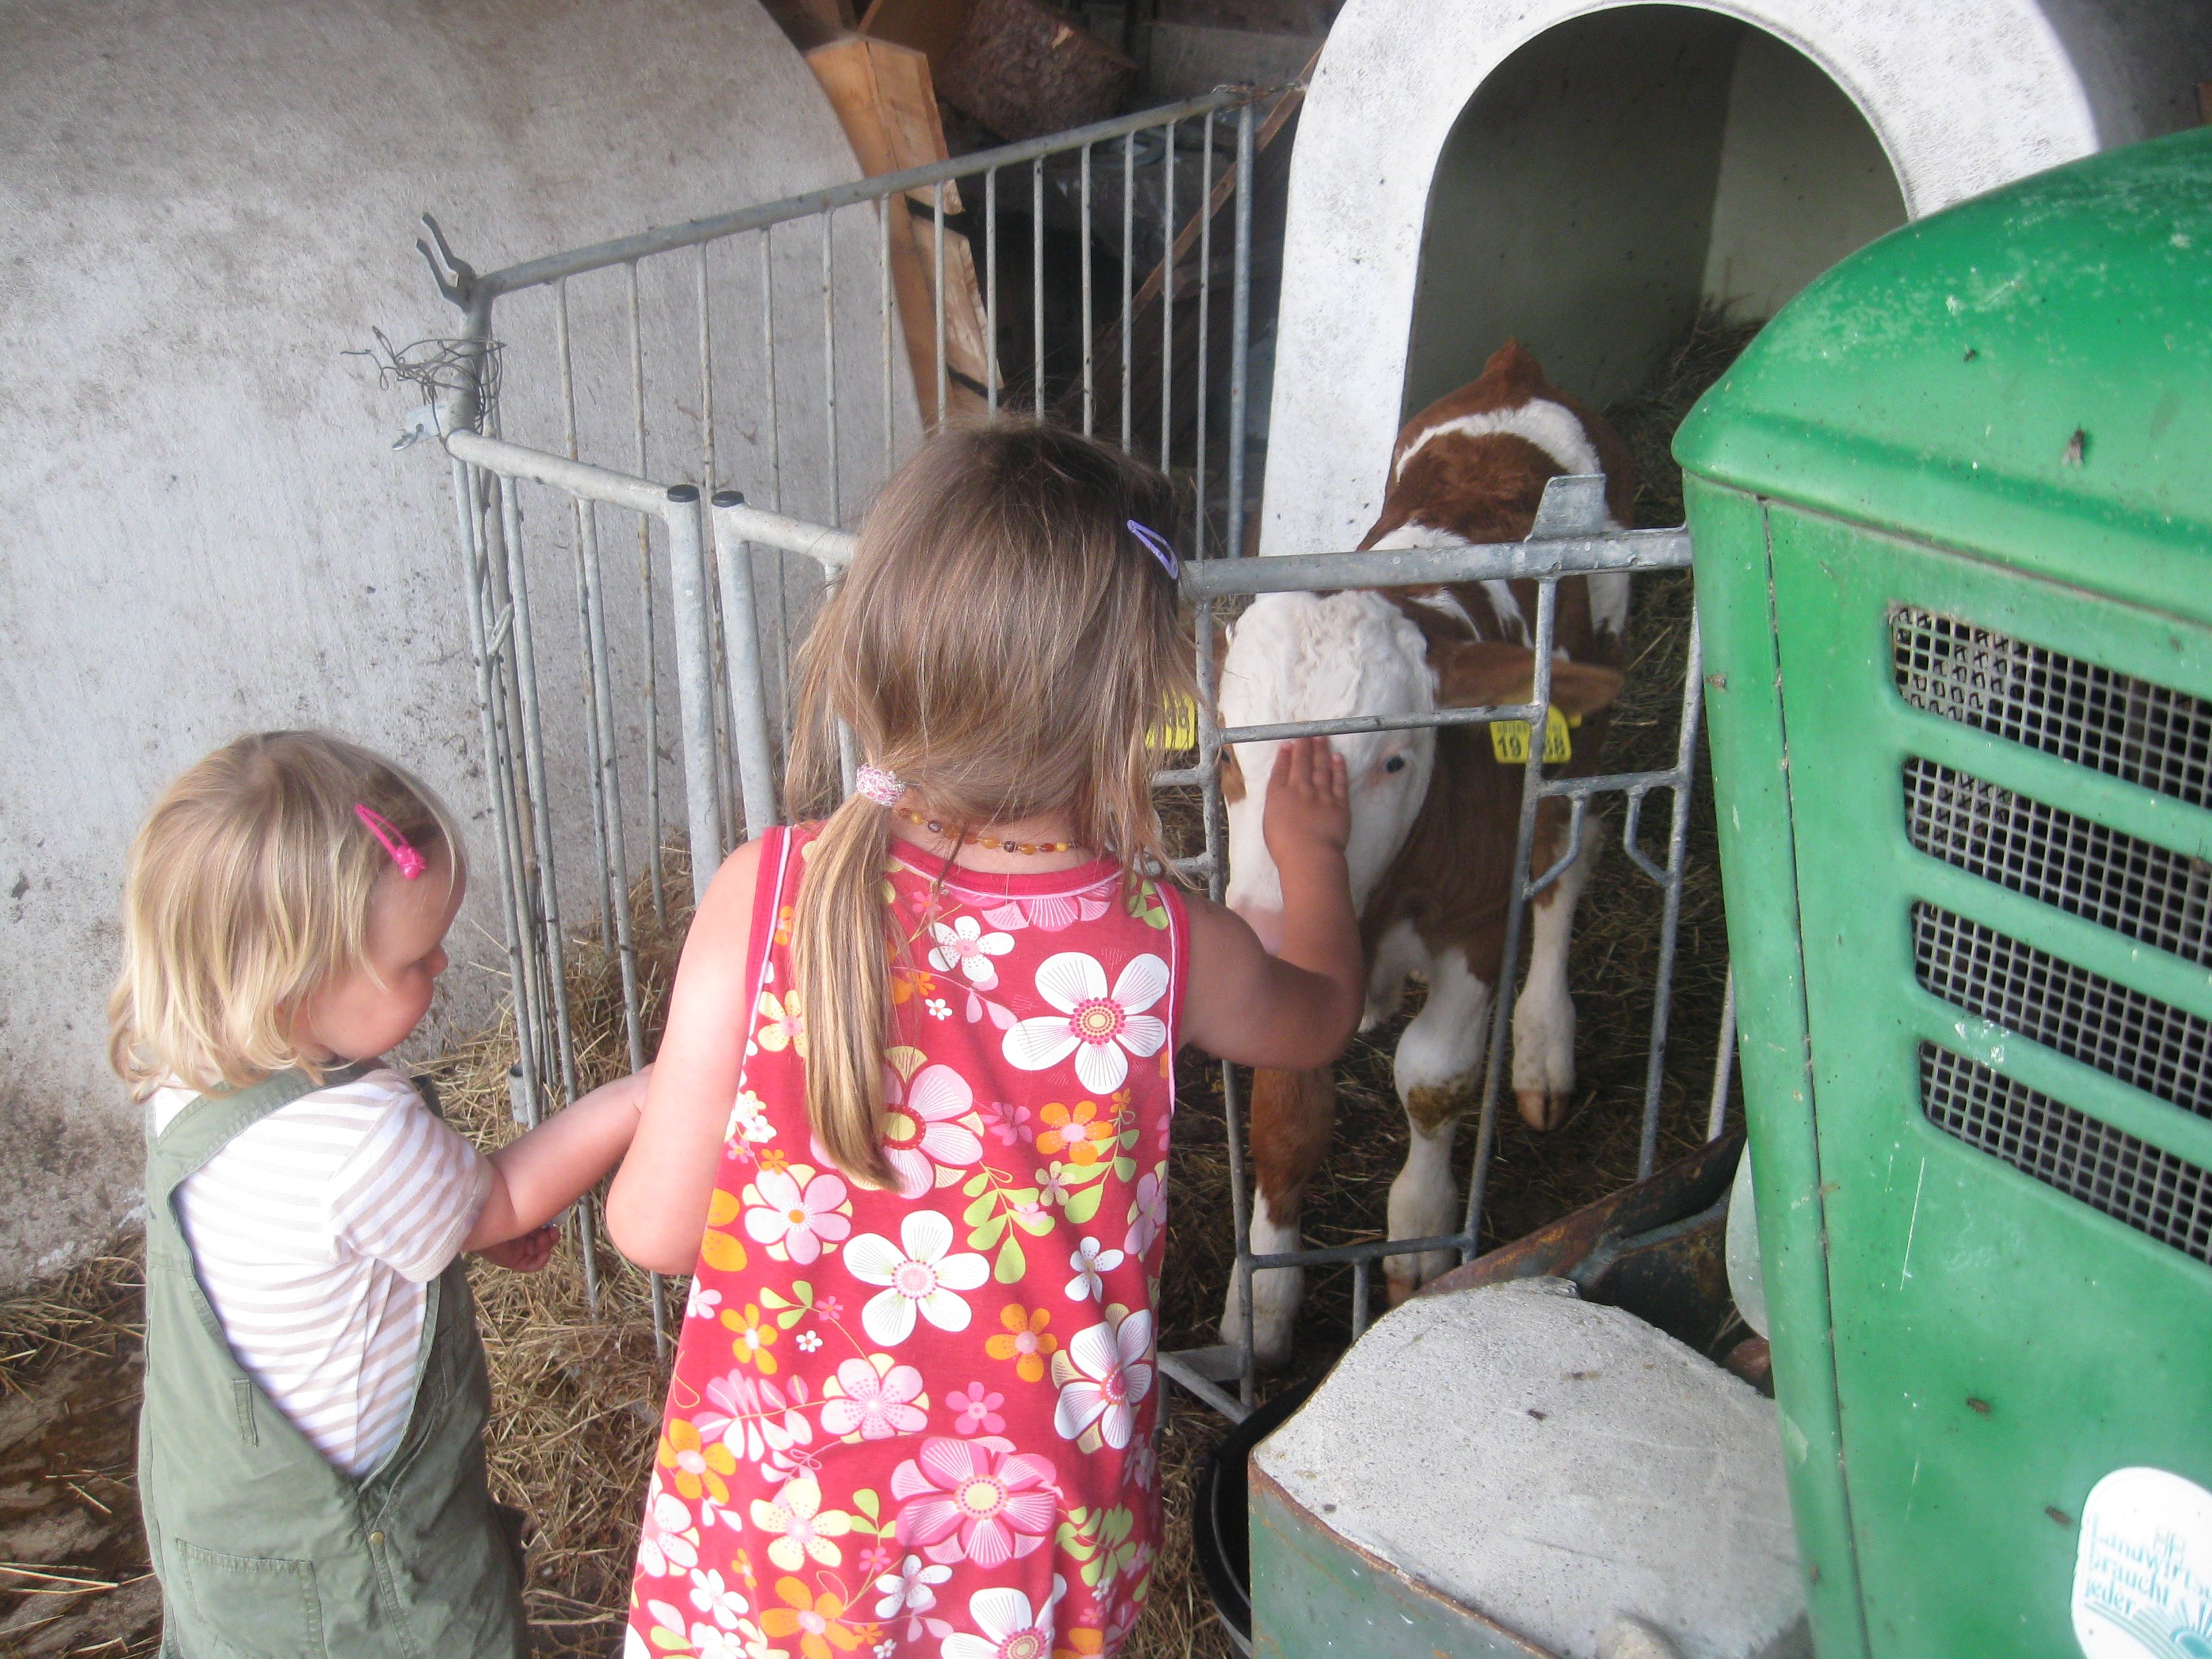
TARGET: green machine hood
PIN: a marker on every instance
(2026, 376)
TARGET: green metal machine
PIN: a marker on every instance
(1952, 513)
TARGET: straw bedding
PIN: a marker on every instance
(577, 1393)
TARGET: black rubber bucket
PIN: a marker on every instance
(1221, 1537)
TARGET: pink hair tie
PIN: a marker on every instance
(878, 786)
(411, 863)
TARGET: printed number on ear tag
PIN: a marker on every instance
(1509, 740)
(1178, 729)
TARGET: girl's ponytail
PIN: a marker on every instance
(841, 958)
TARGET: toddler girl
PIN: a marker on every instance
(311, 1461)
(910, 1122)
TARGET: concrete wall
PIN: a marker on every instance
(205, 204)
(1958, 98)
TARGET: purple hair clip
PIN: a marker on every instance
(1157, 545)
(411, 863)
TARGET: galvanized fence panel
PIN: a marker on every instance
(731, 576)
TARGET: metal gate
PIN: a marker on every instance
(731, 641)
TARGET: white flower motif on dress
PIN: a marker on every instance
(920, 1278)
(910, 1591)
(1094, 1025)
(805, 1530)
(965, 946)
(1006, 1626)
(668, 1543)
(876, 1400)
(1148, 1215)
(718, 1602)
(748, 1119)
(922, 1129)
(801, 1219)
(715, 1643)
(1090, 1260)
(701, 1302)
(1104, 1374)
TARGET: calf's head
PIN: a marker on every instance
(1311, 657)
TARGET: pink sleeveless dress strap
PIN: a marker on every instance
(921, 1422)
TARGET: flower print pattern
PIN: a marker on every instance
(797, 1212)
(974, 1500)
(1104, 1374)
(874, 1399)
(1024, 1341)
(921, 1275)
(1100, 1027)
(1006, 1627)
(978, 1410)
(910, 1592)
(915, 1421)
(922, 1128)
(802, 1530)
(965, 947)
(1077, 1132)
(1148, 1212)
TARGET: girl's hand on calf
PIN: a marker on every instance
(1308, 818)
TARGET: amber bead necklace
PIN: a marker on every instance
(936, 827)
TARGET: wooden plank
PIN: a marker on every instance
(930, 27)
(882, 94)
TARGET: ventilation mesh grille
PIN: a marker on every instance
(2123, 1033)
(2161, 897)
(2155, 1193)
(2125, 727)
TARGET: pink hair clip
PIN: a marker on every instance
(411, 863)
(880, 787)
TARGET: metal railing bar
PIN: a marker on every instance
(1089, 345)
(943, 368)
(587, 558)
(773, 416)
(1516, 911)
(1036, 284)
(1670, 916)
(1240, 333)
(1129, 264)
(1723, 1060)
(1363, 723)
(1198, 1387)
(706, 376)
(535, 273)
(1372, 1249)
(1423, 567)
(645, 587)
(1205, 306)
(748, 718)
(1606, 783)
(829, 363)
(1167, 300)
(577, 478)
(991, 289)
(687, 561)
(831, 548)
(884, 210)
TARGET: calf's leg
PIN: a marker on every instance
(1293, 1114)
(1544, 1014)
(1438, 1062)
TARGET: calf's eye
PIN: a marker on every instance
(1395, 764)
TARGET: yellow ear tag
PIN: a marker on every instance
(1178, 728)
(1508, 739)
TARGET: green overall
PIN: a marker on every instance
(265, 1549)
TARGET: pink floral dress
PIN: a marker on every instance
(921, 1422)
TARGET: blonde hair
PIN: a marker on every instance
(247, 891)
(1006, 646)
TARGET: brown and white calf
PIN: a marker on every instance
(1434, 816)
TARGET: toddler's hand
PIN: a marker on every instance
(525, 1255)
(1309, 805)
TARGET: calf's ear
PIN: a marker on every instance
(1482, 673)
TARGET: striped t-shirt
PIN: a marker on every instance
(315, 1232)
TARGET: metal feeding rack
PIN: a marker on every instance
(732, 538)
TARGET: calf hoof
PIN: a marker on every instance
(1543, 1111)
